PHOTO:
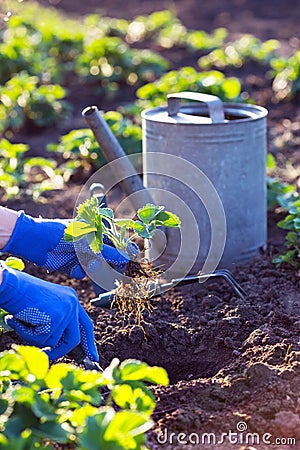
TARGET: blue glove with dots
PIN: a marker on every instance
(45, 314)
(41, 241)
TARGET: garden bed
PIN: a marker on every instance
(230, 361)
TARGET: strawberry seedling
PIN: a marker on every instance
(292, 241)
(93, 222)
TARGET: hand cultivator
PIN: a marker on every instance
(106, 299)
(79, 356)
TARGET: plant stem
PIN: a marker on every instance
(113, 239)
(131, 238)
(115, 232)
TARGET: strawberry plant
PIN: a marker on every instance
(21, 174)
(41, 42)
(42, 406)
(110, 61)
(92, 222)
(80, 151)
(285, 197)
(278, 192)
(22, 49)
(11, 167)
(167, 31)
(185, 79)
(24, 100)
(286, 72)
(291, 223)
(236, 53)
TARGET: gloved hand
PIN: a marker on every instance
(41, 241)
(102, 277)
(46, 314)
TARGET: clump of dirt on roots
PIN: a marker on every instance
(133, 299)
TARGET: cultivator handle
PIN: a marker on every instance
(79, 356)
(104, 300)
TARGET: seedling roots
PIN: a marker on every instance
(133, 299)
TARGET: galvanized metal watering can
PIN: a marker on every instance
(207, 161)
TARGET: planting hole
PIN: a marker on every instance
(186, 334)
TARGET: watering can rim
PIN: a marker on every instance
(155, 114)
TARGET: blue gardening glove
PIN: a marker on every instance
(101, 274)
(41, 241)
(45, 314)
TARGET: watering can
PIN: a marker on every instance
(219, 150)
(226, 143)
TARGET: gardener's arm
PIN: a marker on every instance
(45, 314)
(8, 219)
(41, 241)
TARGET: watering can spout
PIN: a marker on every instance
(130, 181)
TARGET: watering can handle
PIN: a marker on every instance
(214, 104)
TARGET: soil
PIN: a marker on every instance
(234, 364)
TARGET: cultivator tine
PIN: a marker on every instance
(221, 273)
(233, 280)
(227, 276)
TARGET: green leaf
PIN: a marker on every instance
(88, 210)
(123, 233)
(106, 212)
(143, 230)
(126, 425)
(92, 435)
(15, 263)
(40, 162)
(79, 416)
(56, 373)
(148, 212)
(95, 242)
(44, 409)
(12, 366)
(122, 395)
(287, 223)
(291, 238)
(167, 219)
(135, 370)
(77, 385)
(128, 223)
(76, 230)
(294, 209)
(134, 395)
(271, 161)
(3, 405)
(99, 237)
(35, 359)
(52, 431)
